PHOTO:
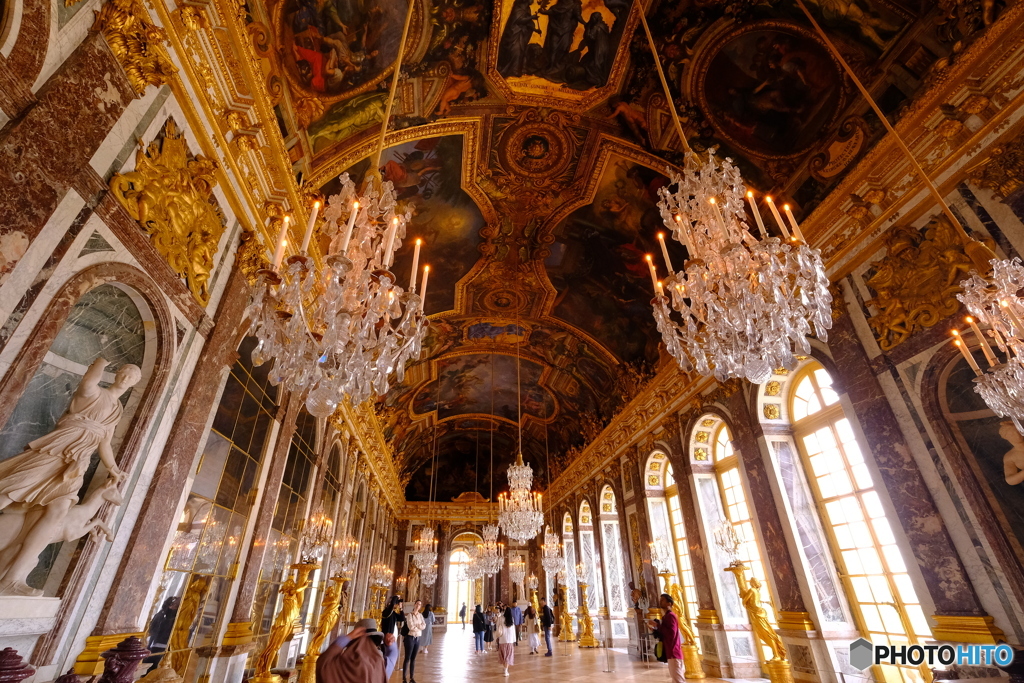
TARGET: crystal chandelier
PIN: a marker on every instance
(428, 575)
(381, 575)
(517, 570)
(661, 560)
(343, 331)
(551, 559)
(520, 512)
(994, 303)
(317, 533)
(740, 307)
(425, 549)
(490, 554)
(343, 560)
(474, 568)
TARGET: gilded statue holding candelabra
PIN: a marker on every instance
(779, 670)
(564, 617)
(328, 619)
(291, 592)
(691, 655)
(586, 638)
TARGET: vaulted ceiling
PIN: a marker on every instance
(531, 138)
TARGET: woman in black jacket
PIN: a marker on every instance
(479, 627)
(392, 616)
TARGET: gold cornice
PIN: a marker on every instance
(362, 423)
(667, 393)
(451, 512)
(988, 67)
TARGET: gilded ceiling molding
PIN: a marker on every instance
(449, 512)
(666, 394)
(171, 197)
(136, 42)
(991, 67)
(917, 280)
(1003, 170)
(374, 451)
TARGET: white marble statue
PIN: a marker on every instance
(39, 488)
(1013, 459)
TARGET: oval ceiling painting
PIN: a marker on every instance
(337, 48)
(770, 88)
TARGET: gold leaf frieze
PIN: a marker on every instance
(917, 280)
(1003, 170)
(171, 196)
(137, 43)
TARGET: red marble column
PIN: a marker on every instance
(144, 558)
(249, 576)
(769, 524)
(43, 151)
(944, 574)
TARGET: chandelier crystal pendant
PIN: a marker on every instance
(740, 307)
(428, 575)
(520, 510)
(552, 559)
(424, 553)
(316, 534)
(490, 553)
(344, 331)
(517, 571)
(993, 302)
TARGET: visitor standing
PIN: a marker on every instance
(411, 632)
(427, 639)
(479, 628)
(462, 616)
(668, 631)
(507, 640)
(160, 631)
(532, 629)
(547, 620)
(391, 616)
(517, 619)
(365, 655)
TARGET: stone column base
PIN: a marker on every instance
(89, 662)
(24, 619)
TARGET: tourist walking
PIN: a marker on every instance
(507, 640)
(462, 616)
(668, 632)
(547, 620)
(532, 629)
(411, 632)
(427, 639)
(479, 628)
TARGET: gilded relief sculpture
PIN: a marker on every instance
(136, 42)
(170, 194)
(778, 667)
(39, 488)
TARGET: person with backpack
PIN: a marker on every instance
(364, 655)
(479, 628)
(667, 630)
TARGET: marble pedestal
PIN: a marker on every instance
(24, 620)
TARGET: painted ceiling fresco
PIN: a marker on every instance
(530, 138)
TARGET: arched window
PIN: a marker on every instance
(590, 559)
(569, 548)
(682, 550)
(871, 564)
(612, 544)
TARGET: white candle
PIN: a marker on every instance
(348, 228)
(718, 215)
(309, 226)
(664, 252)
(658, 289)
(985, 348)
(778, 218)
(423, 287)
(654, 273)
(792, 221)
(967, 354)
(390, 242)
(757, 214)
(281, 241)
(1005, 305)
(685, 236)
(415, 265)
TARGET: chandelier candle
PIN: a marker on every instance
(968, 356)
(680, 233)
(415, 265)
(792, 221)
(309, 226)
(654, 273)
(423, 287)
(664, 252)
(757, 214)
(985, 348)
(348, 228)
(778, 218)
(282, 239)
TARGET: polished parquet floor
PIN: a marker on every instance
(452, 660)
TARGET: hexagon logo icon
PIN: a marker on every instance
(861, 654)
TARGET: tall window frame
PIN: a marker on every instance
(680, 546)
(885, 605)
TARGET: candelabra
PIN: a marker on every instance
(744, 306)
(316, 534)
(586, 637)
(474, 568)
(565, 633)
(517, 570)
(551, 559)
(728, 541)
(521, 513)
(995, 304)
(343, 331)
(531, 585)
(400, 583)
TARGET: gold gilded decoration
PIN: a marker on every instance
(586, 637)
(653, 480)
(700, 454)
(707, 422)
(284, 623)
(251, 256)
(691, 657)
(702, 437)
(1003, 170)
(773, 388)
(772, 411)
(795, 621)
(916, 282)
(606, 507)
(328, 618)
(655, 467)
(750, 594)
(136, 42)
(190, 16)
(171, 196)
(565, 633)
(967, 629)
(187, 612)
